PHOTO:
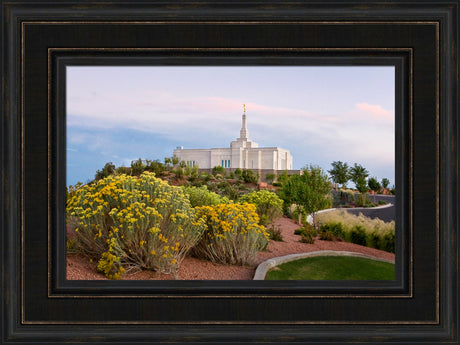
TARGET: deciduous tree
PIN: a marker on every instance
(358, 175)
(340, 173)
(309, 191)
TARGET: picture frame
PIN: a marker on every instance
(38, 304)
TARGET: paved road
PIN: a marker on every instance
(386, 214)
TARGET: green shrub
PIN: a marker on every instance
(358, 235)
(248, 176)
(382, 202)
(306, 228)
(218, 170)
(307, 233)
(233, 235)
(360, 201)
(388, 242)
(200, 196)
(326, 236)
(307, 238)
(275, 234)
(125, 221)
(137, 167)
(269, 205)
(179, 172)
(107, 170)
(334, 228)
(122, 171)
(375, 240)
(270, 177)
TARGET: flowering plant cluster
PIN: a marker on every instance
(125, 221)
(269, 205)
(233, 234)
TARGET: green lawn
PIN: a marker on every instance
(333, 268)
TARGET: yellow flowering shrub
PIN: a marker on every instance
(233, 234)
(125, 222)
(268, 205)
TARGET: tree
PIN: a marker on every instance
(374, 185)
(308, 191)
(108, 169)
(385, 182)
(340, 173)
(137, 167)
(358, 175)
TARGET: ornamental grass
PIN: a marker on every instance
(371, 232)
(127, 222)
(233, 235)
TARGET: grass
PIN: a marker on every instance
(333, 268)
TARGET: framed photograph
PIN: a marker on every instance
(96, 90)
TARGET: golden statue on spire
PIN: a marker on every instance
(244, 107)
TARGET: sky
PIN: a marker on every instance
(321, 114)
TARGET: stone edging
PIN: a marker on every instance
(263, 268)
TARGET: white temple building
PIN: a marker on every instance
(243, 153)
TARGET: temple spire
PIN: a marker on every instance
(244, 131)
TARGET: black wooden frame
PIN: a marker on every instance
(420, 38)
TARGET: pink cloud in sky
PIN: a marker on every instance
(374, 110)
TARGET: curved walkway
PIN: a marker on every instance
(265, 266)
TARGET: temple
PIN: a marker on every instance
(243, 153)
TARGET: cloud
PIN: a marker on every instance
(374, 111)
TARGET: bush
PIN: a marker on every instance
(275, 234)
(137, 167)
(156, 167)
(269, 205)
(124, 221)
(233, 235)
(218, 170)
(358, 235)
(107, 170)
(307, 233)
(248, 176)
(326, 236)
(388, 242)
(122, 171)
(375, 240)
(360, 201)
(306, 228)
(382, 202)
(270, 177)
(334, 228)
(200, 196)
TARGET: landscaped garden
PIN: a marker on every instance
(154, 217)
